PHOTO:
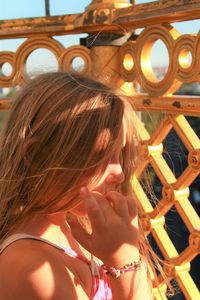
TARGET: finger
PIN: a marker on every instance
(80, 234)
(119, 203)
(104, 204)
(94, 211)
(132, 207)
(133, 211)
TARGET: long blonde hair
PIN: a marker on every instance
(61, 128)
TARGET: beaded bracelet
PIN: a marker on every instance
(134, 266)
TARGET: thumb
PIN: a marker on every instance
(80, 234)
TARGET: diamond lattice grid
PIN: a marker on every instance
(175, 193)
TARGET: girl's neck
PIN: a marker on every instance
(54, 228)
(51, 227)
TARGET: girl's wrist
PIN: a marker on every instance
(117, 272)
(120, 259)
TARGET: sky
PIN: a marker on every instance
(11, 9)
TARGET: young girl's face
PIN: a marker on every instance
(113, 174)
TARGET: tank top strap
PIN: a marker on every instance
(21, 236)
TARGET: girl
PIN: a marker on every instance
(67, 155)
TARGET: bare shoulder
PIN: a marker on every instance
(34, 271)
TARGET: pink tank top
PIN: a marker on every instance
(100, 284)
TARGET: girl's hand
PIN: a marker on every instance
(114, 222)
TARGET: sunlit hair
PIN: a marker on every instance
(60, 134)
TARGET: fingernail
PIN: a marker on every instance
(88, 197)
(84, 191)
